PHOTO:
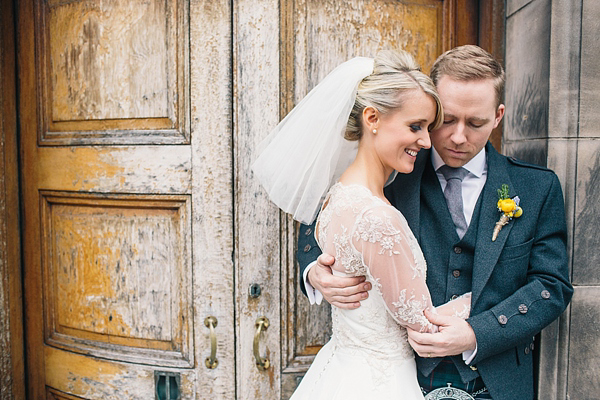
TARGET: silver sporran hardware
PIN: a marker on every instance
(448, 393)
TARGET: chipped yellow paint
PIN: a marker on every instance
(114, 268)
(92, 378)
(139, 169)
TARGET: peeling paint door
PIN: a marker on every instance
(281, 50)
(125, 126)
(147, 242)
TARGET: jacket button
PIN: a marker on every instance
(454, 297)
(531, 346)
(502, 319)
(545, 294)
(523, 309)
(456, 273)
(526, 349)
(473, 368)
(457, 250)
(308, 231)
(307, 248)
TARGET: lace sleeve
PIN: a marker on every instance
(392, 257)
(459, 307)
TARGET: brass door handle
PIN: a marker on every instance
(212, 362)
(262, 323)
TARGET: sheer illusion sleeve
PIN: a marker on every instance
(392, 256)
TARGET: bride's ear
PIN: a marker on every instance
(370, 118)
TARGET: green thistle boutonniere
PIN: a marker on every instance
(508, 207)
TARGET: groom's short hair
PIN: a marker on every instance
(469, 63)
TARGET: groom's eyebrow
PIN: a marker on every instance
(479, 120)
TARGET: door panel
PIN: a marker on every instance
(112, 72)
(112, 288)
(127, 196)
(316, 37)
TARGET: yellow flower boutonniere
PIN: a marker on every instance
(508, 207)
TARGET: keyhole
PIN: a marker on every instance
(255, 290)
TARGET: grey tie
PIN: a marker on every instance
(453, 194)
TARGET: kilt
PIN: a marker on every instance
(446, 373)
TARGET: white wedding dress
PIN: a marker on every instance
(368, 356)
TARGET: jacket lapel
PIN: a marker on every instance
(486, 251)
(408, 190)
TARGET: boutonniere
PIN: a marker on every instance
(508, 207)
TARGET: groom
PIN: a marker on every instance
(519, 282)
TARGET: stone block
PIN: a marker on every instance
(565, 57)
(584, 348)
(527, 72)
(531, 151)
(512, 6)
(590, 70)
(586, 240)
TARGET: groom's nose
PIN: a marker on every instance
(458, 136)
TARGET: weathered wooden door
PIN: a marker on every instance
(281, 50)
(125, 125)
(139, 121)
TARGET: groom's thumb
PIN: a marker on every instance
(437, 319)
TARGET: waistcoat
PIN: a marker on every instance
(449, 258)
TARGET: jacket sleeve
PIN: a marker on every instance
(307, 252)
(546, 291)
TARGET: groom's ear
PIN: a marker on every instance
(499, 114)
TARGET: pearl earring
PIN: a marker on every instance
(374, 131)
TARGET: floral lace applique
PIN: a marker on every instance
(410, 310)
(373, 229)
(345, 254)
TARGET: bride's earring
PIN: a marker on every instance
(374, 131)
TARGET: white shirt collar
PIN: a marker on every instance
(477, 165)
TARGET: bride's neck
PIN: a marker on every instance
(368, 172)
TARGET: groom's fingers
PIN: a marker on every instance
(341, 295)
(438, 319)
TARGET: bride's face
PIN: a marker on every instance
(402, 133)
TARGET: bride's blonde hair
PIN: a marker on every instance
(394, 74)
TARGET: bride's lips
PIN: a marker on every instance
(412, 153)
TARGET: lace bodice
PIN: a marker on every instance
(370, 238)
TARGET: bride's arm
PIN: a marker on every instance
(459, 307)
(383, 238)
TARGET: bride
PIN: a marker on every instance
(365, 122)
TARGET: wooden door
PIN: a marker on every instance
(139, 120)
(281, 50)
(125, 125)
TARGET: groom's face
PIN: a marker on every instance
(470, 115)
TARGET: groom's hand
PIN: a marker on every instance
(455, 336)
(342, 292)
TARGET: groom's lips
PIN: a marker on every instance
(456, 153)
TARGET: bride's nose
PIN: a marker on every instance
(424, 141)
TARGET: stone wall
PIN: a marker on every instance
(552, 94)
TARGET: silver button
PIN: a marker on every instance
(527, 350)
(456, 273)
(454, 297)
(502, 319)
(307, 248)
(523, 309)
(457, 250)
(308, 231)
(545, 294)
(531, 346)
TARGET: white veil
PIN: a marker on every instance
(306, 153)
